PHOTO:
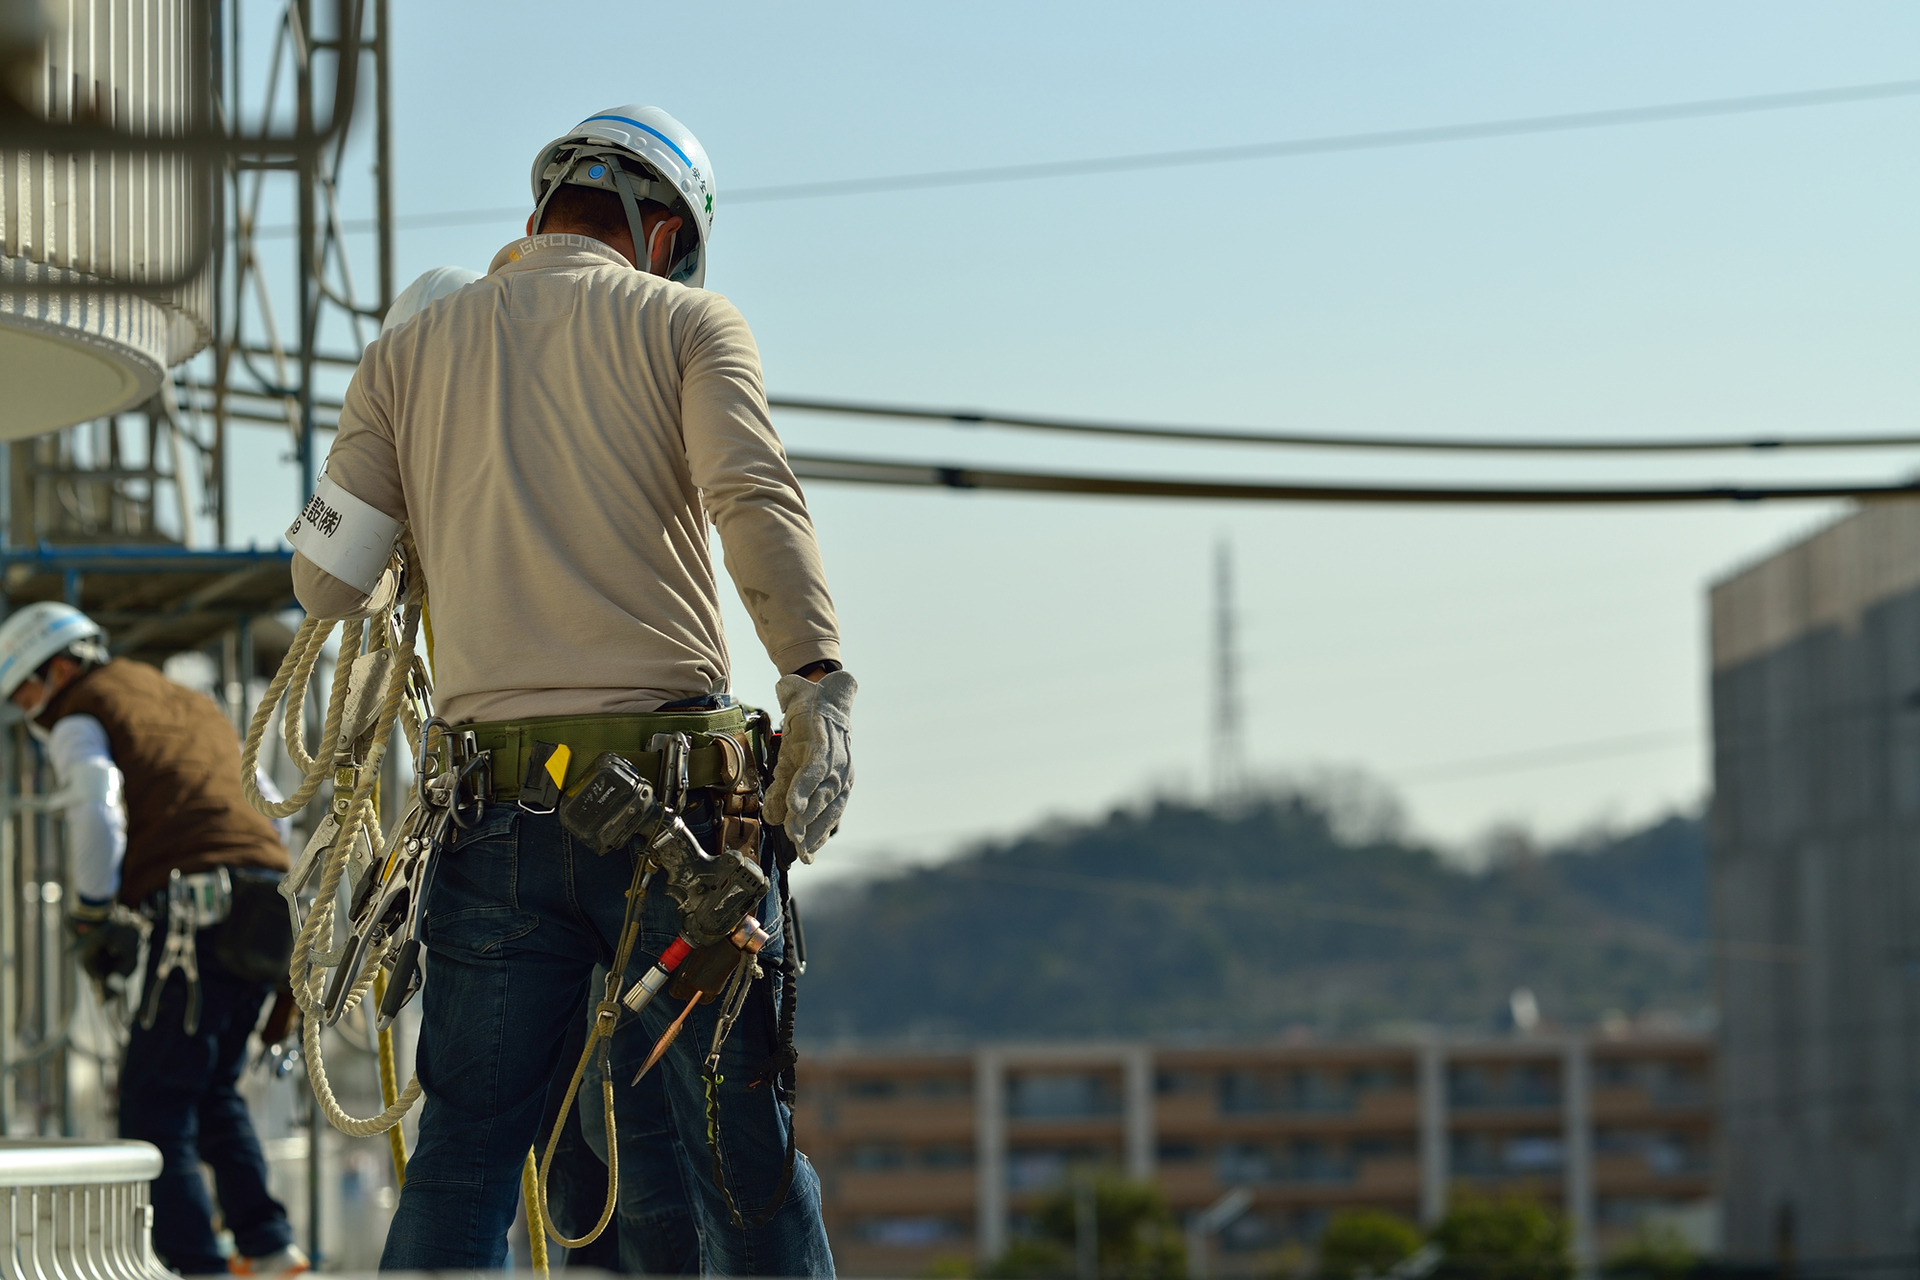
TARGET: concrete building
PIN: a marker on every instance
(1816, 891)
(930, 1155)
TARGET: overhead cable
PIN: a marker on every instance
(1313, 440)
(1375, 141)
(929, 475)
(1522, 126)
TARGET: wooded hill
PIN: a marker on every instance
(1186, 922)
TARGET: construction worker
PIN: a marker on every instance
(557, 437)
(161, 838)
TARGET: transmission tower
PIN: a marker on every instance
(1229, 734)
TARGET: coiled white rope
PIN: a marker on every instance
(354, 811)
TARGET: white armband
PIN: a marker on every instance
(348, 538)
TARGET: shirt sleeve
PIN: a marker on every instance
(750, 492)
(364, 462)
(97, 814)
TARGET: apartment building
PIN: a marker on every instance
(1816, 815)
(926, 1156)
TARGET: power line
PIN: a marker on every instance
(1376, 141)
(1550, 757)
(1311, 440)
(931, 475)
(1701, 109)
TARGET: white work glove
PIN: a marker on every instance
(815, 772)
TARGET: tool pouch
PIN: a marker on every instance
(255, 941)
(706, 971)
(610, 805)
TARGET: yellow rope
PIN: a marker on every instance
(389, 1085)
(536, 1229)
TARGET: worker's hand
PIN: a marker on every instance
(106, 941)
(815, 772)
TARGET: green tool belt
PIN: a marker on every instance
(710, 764)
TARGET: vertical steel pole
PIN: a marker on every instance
(316, 1124)
(383, 148)
(308, 294)
(309, 306)
(9, 931)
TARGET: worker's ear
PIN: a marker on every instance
(661, 241)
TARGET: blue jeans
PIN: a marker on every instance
(518, 916)
(177, 1092)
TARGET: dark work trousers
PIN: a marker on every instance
(518, 916)
(653, 1231)
(177, 1092)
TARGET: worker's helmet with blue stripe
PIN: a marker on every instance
(638, 153)
(42, 631)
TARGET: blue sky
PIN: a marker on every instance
(1031, 657)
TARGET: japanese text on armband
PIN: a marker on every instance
(348, 538)
(321, 516)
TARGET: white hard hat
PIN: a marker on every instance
(424, 292)
(38, 632)
(672, 169)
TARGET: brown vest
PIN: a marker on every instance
(181, 760)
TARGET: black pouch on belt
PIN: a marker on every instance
(255, 941)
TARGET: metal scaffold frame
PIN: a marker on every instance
(128, 517)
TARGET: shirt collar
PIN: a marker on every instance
(555, 249)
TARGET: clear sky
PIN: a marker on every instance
(1027, 657)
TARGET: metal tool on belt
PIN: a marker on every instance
(384, 916)
(195, 900)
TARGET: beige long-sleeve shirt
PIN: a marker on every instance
(558, 434)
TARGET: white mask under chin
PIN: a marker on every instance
(34, 726)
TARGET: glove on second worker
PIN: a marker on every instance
(815, 772)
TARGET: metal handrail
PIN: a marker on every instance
(77, 1210)
(62, 1162)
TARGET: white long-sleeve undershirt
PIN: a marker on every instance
(97, 815)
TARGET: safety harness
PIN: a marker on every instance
(369, 888)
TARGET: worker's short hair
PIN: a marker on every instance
(590, 211)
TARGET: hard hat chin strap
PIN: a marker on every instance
(641, 243)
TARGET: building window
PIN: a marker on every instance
(1176, 1152)
(908, 1233)
(1062, 1095)
(1663, 1153)
(1257, 1092)
(1665, 1082)
(1507, 1154)
(1179, 1083)
(1303, 1160)
(1502, 1085)
(1037, 1168)
(871, 1087)
(943, 1087)
(1380, 1147)
(872, 1156)
(946, 1156)
(1379, 1079)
